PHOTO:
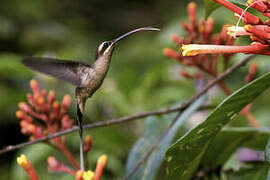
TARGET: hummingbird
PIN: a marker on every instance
(87, 78)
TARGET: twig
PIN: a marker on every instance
(98, 124)
(131, 117)
(184, 106)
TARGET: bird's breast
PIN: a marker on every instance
(93, 81)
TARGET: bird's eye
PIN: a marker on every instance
(105, 45)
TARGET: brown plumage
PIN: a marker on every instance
(86, 78)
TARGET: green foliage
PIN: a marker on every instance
(154, 127)
(255, 172)
(226, 142)
(195, 143)
(211, 6)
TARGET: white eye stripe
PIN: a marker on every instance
(104, 47)
(101, 46)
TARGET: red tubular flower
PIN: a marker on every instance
(171, 53)
(252, 72)
(50, 98)
(66, 122)
(35, 87)
(258, 5)
(201, 42)
(102, 161)
(258, 30)
(27, 166)
(55, 166)
(88, 142)
(249, 18)
(195, 49)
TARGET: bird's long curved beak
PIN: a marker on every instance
(115, 41)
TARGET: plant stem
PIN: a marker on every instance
(125, 119)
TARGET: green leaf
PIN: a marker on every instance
(267, 157)
(239, 2)
(228, 140)
(267, 151)
(211, 6)
(186, 154)
(257, 172)
(154, 127)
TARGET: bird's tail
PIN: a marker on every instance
(79, 118)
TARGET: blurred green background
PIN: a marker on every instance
(140, 78)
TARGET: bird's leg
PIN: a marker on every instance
(79, 118)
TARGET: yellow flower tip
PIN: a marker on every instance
(210, 20)
(32, 138)
(88, 175)
(56, 104)
(102, 160)
(253, 38)
(19, 114)
(66, 101)
(249, 2)
(23, 161)
(166, 51)
(79, 174)
(247, 27)
(88, 138)
(31, 127)
(41, 100)
(33, 83)
(188, 50)
(192, 5)
(230, 31)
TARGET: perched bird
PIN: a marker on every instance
(86, 78)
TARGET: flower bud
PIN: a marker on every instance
(34, 86)
(51, 97)
(79, 175)
(102, 161)
(24, 107)
(66, 101)
(87, 143)
(170, 53)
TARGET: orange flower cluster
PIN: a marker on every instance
(200, 33)
(43, 115)
(194, 55)
(52, 114)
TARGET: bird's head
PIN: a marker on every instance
(106, 48)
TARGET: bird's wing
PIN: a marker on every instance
(62, 69)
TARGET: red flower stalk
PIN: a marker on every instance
(27, 166)
(55, 166)
(257, 29)
(252, 72)
(102, 161)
